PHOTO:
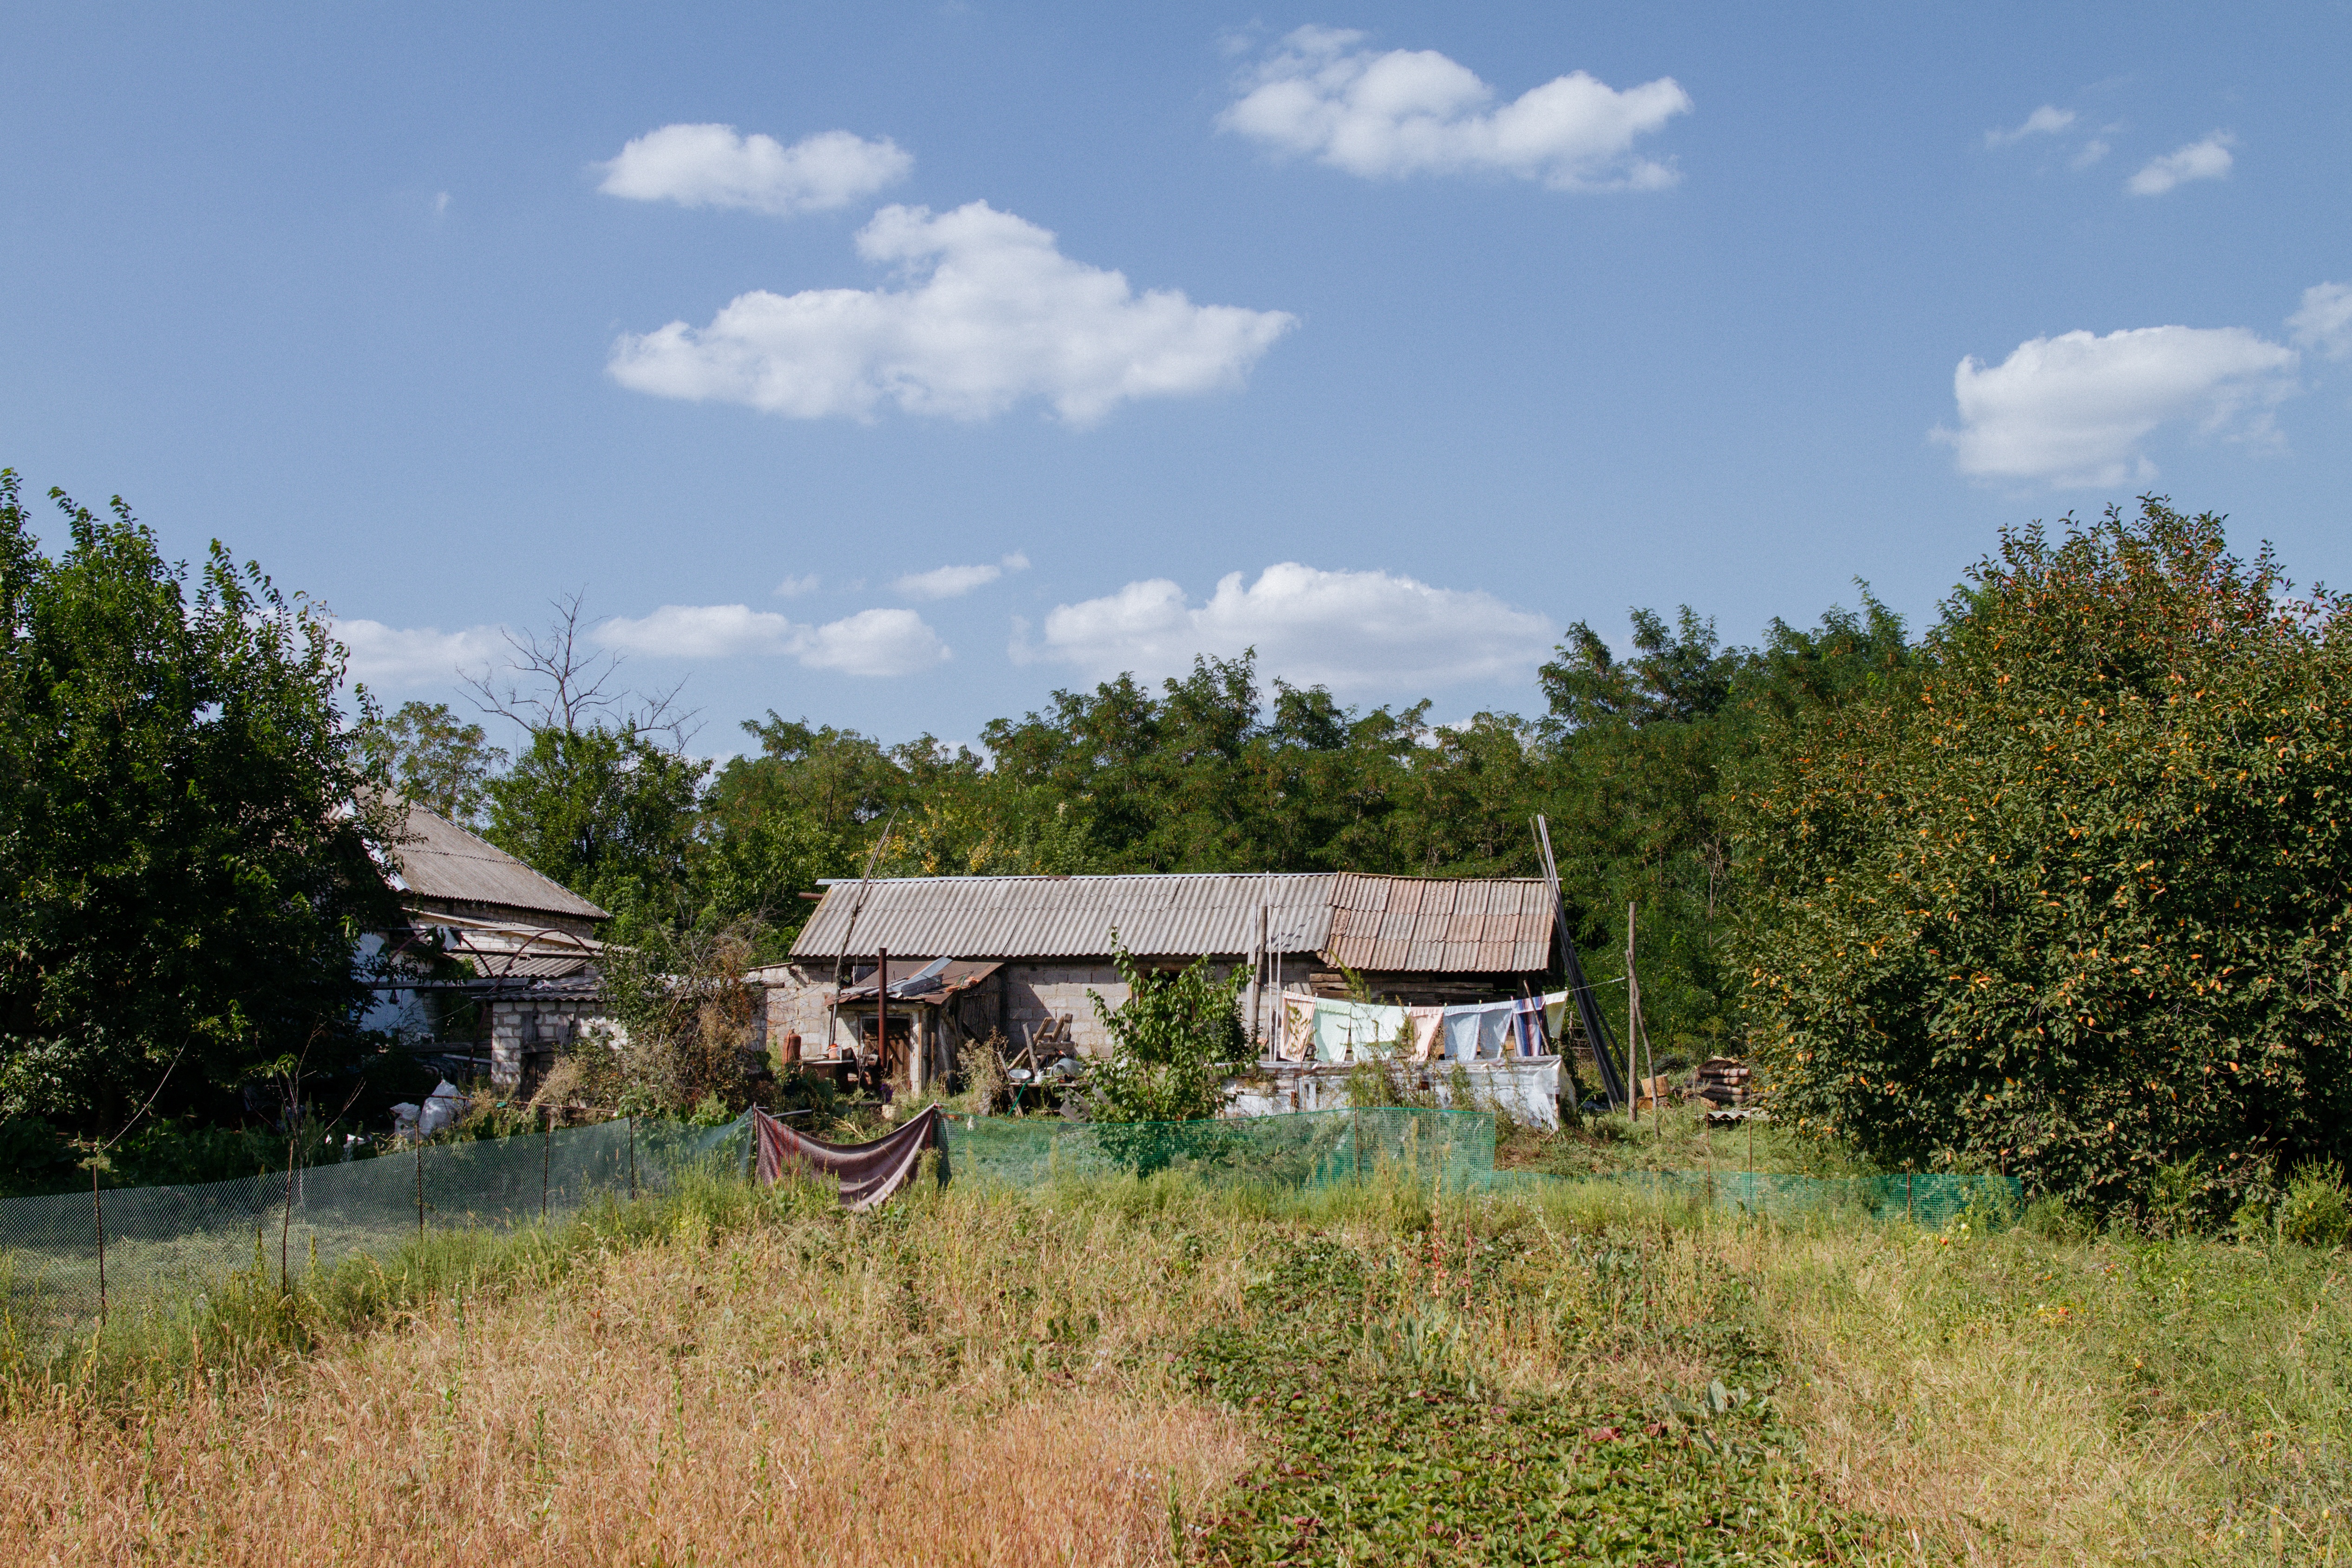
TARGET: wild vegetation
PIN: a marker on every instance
(2054, 890)
(1145, 1371)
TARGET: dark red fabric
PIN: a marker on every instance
(869, 1172)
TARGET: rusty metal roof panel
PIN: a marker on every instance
(1069, 916)
(434, 858)
(1490, 925)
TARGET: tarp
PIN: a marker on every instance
(869, 1172)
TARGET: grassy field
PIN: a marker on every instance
(1146, 1372)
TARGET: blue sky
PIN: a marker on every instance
(1415, 352)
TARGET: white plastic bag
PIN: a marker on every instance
(442, 1109)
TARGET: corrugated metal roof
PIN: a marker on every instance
(435, 858)
(1069, 917)
(1491, 925)
(1487, 925)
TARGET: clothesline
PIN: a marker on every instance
(1315, 1028)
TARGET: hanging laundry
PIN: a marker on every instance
(1527, 1027)
(1297, 1043)
(1426, 1027)
(1555, 1008)
(1495, 1029)
(1356, 1031)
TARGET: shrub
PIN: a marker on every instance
(2066, 898)
(2317, 1212)
(1173, 1041)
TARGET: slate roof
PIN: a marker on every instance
(1415, 924)
(436, 859)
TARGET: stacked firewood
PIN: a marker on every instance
(1722, 1081)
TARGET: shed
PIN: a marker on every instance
(1413, 939)
(482, 927)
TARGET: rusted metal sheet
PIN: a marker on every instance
(437, 860)
(1388, 924)
(1069, 917)
(1490, 925)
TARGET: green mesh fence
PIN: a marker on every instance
(1305, 1149)
(164, 1248)
(1931, 1201)
(1453, 1150)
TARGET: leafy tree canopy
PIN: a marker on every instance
(435, 759)
(2068, 896)
(185, 863)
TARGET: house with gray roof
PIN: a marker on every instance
(482, 928)
(1020, 957)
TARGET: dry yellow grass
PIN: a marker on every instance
(2011, 1401)
(802, 1395)
(972, 1379)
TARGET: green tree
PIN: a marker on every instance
(436, 759)
(607, 812)
(2069, 896)
(749, 878)
(184, 859)
(1173, 1041)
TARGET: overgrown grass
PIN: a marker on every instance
(1152, 1370)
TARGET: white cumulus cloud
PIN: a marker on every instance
(793, 587)
(2324, 322)
(404, 659)
(1351, 631)
(712, 166)
(2206, 160)
(872, 642)
(2046, 121)
(1415, 112)
(2073, 409)
(875, 642)
(954, 582)
(991, 313)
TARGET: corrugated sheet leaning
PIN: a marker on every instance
(1316, 1028)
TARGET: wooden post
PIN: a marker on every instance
(882, 1011)
(633, 1159)
(419, 1132)
(1632, 1024)
(1257, 964)
(919, 1052)
(286, 1221)
(546, 1160)
(97, 1211)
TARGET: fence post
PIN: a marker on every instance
(546, 1157)
(1907, 1198)
(286, 1224)
(98, 1209)
(420, 1179)
(633, 1159)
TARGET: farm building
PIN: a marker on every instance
(1019, 956)
(482, 928)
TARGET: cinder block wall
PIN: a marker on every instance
(527, 1026)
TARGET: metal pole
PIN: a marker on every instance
(546, 1157)
(882, 1011)
(97, 1208)
(419, 1132)
(633, 1159)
